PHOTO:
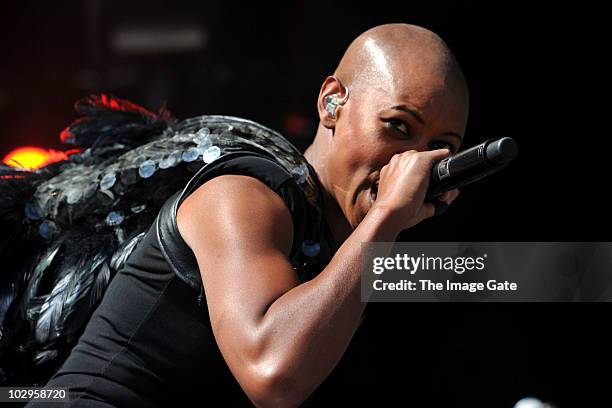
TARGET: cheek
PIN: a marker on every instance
(358, 156)
(360, 144)
(349, 164)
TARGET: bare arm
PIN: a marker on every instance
(280, 339)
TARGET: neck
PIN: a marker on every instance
(317, 157)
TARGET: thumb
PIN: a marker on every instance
(436, 155)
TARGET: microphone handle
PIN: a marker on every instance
(470, 165)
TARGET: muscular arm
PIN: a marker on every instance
(280, 339)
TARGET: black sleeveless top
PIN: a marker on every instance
(150, 341)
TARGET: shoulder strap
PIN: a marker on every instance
(178, 254)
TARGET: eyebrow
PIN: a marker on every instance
(414, 113)
(419, 119)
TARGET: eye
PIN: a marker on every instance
(443, 145)
(399, 126)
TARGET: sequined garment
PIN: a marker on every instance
(77, 221)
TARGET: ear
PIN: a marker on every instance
(330, 87)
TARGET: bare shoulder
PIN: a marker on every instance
(241, 233)
(235, 212)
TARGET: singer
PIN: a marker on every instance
(264, 333)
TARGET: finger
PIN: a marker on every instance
(454, 193)
(449, 196)
(430, 209)
(438, 154)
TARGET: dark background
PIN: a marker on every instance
(529, 67)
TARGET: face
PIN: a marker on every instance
(420, 113)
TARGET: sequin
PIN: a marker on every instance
(146, 169)
(74, 196)
(47, 229)
(300, 173)
(203, 137)
(167, 162)
(204, 144)
(191, 154)
(138, 208)
(178, 155)
(310, 248)
(32, 211)
(203, 148)
(211, 154)
(114, 218)
(108, 181)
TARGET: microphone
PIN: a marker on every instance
(470, 165)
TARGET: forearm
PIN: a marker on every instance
(306, 331)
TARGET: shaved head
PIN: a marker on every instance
(388, 55)
(398, 88)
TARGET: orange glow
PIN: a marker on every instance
(31, 158)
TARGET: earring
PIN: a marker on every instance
(332, 101)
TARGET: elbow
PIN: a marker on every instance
(270, 387)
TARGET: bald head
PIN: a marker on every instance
(389, 55)
(405, 93)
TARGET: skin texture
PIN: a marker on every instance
(280, 338)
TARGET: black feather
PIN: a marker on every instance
(69, 227)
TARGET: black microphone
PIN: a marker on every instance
(470, 165)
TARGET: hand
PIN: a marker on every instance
(403, 184)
